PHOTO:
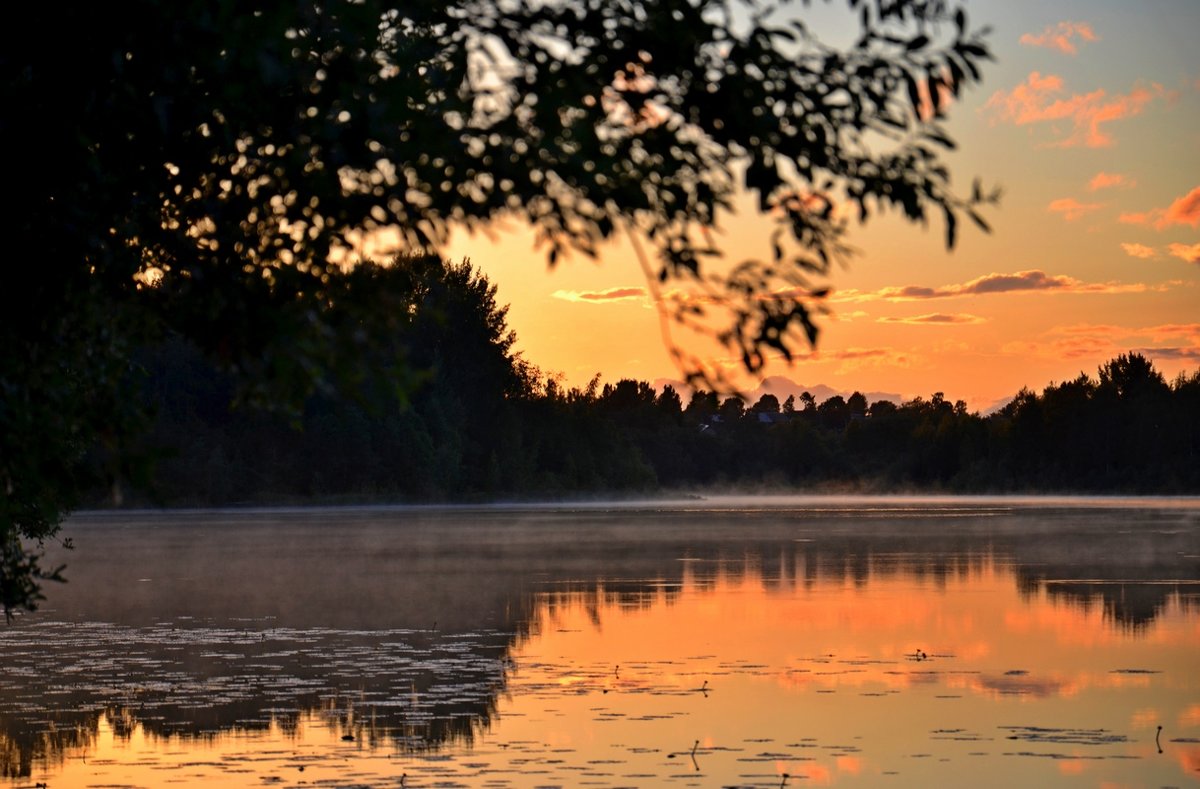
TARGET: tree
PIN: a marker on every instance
(767, 404)
(1131, 375)
(436, 444)
(204, 169)
(857, 404)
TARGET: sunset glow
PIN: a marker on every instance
(750, 668)
(1086, 120)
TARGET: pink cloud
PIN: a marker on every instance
(1139, 251)
(1185, 354)
(1071, 209)
(1038, 100)
(1059, 36)
(1021, 281)
(1106, 180)
(600, 296)
(1137, 218)
(1023, 104)
(1182, 211)
(1092, 329)
(1188, 252)
(1092, 341)
(1170, 330)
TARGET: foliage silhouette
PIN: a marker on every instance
(538, 440)
(201, 169)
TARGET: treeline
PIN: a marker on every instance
(480, 423)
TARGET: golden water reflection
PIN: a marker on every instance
(708, 648)
(838, 682)
(825, 680)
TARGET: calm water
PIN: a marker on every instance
(712, 643)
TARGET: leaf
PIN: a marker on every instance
(939, 136)
(978, 220)
(935, 94)
(914, 93)
(951, 227)
(920, 42)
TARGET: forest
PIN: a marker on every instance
(477, 422)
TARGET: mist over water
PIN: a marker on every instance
(726, 641)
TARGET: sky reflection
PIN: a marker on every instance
(689, 644)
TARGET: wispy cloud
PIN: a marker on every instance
(600, 296)
(1180, 353)
(1061, 37)
(1019, 282)
(935, 319)
(857, 358)
(1103, 341)
(1167, 331)
(1064, 348)
(1043, 99)
(1188, 252)
(1071, 209)
(1138, 217)
(1104, 180)
(1139, 251)
(1157, 333)
(1182, 211)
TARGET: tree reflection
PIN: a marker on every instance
(219, 625)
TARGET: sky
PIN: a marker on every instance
(1089, 120)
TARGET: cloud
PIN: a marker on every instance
(1188, 252)
(1163, 331)
(1102, 341)
(1021, 281)
(1139, 251)
(1104, 180)
(1072, 209)
(1171, 330)
(1039, 99)
(1184, 354)
(600, 296)
(1182, 211)
(1059, 37)
(858, 358)
(935, 319)
(1137, 217)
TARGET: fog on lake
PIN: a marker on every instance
(761, 641)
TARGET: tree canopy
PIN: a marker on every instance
(205, 169)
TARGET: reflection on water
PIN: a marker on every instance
(756, 642)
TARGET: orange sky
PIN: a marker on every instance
(1090, 122)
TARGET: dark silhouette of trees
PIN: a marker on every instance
(520, 435)
(199, 171)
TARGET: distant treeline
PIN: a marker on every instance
(484, 424)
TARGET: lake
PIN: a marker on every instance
(716, 642)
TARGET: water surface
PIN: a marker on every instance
(716, 642)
